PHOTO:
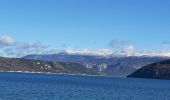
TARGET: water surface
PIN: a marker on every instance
(26, 86)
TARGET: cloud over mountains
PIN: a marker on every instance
(11, 48)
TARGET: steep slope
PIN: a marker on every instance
(20, 64)
(106, 65)
(159, 70)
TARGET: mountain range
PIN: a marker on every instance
(104, 65)
(130, 66)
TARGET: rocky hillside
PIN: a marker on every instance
(106, 65)
(20, 64)
(159, 70)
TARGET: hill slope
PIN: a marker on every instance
(159, 70)
(20, 64)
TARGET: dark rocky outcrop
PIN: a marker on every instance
(159, 70)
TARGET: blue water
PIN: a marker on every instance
(22, 86)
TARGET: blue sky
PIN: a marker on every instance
(88, 24)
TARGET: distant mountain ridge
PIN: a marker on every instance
(106, 65)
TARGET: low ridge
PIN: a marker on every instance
(159, 70)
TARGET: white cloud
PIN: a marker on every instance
(21, 49)
(6, 41)
(129, 50)
(12, 48)
(100, 52)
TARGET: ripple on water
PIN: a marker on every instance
(21, 86)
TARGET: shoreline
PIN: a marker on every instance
(49, 73)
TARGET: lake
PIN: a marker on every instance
(29, 86)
